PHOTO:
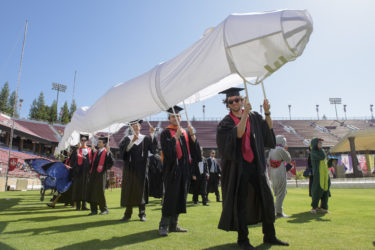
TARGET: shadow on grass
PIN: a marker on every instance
(115, 241)
(64, 228)
(4, 246)
(49, 218)
(306, 217)
(223, 247)
(6, 204)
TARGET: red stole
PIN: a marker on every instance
(173, 130)
(100, 167)
(275, 164)
(80, 156)
(247, 152)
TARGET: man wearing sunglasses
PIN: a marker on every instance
(247, 198)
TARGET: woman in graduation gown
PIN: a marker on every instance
(81, 160)
(180, 149)
(134, 150)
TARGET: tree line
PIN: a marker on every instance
(39, 110)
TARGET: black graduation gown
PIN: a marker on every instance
(80, 176)
(97, 181)
(213, 182)
(155, 176)
(176, 172)
(134, 189)
(230, 148)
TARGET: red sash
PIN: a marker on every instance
(247, 152)
(80, 156)
(100, 167)
(275, 163)
(173, 130)
(67, 161)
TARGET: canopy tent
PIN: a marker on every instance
(364, 140)
(247, 46)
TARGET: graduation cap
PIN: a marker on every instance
(135, 122)
(82, 135)
(176, 108)
(104, 139)
(231, 92)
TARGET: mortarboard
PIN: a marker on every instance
(104, 139)
(231, 92)
(83, 135)
(136, 121)
(176, 108)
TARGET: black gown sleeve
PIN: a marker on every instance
(168, 146)
(123, 145)
(226, 138)
(153, 145)
(109, 160)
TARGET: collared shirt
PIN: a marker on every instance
(213, 166)
(200, 165)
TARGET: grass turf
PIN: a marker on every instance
(27, 223)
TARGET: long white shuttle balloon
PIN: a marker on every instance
(250, 45)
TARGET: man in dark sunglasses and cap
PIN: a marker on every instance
(247, 198)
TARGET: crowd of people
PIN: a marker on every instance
(242, 139)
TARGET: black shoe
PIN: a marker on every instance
(205, 204)
(163, 231)
(50, 205)
(245, 245)
(142, 218)
(275, 241)
(177, 229)
(104, 212)
(125, 218)
(195, 202)
(85, 208)
(77, 209)
(92, 213)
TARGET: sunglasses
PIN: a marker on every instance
(237, 100)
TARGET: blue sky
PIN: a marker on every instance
(108, 42)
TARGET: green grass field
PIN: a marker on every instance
(27, 223)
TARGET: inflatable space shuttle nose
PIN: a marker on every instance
(297, 26)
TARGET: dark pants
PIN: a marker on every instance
(79, 203)
(129, 211)
(249, 175)
(216, 186)
(200, 189)
(94, 207)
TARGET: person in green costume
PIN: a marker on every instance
(321, 181)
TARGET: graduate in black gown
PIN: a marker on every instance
(247, 198)
(179, 148)
(215, 175)
(81, 160)
(155, 176)
(134, 150)
(102, 161)
(201, 174)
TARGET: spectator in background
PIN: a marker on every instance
(215, 175)
(278, 157)
(321, 181)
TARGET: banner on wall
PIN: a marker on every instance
(362, 162)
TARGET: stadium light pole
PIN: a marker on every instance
(345, 111)
(59, 88)
(261, 109)
(290, 115)
(204, 112)
(371, 110)
(15, 108)
(317, 110)
(335, 101)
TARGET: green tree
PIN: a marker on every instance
(73, 108)
(33, 110)
(4, 95)
(38, 110)
(52, 112)
(10, 104)
(65, 114)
